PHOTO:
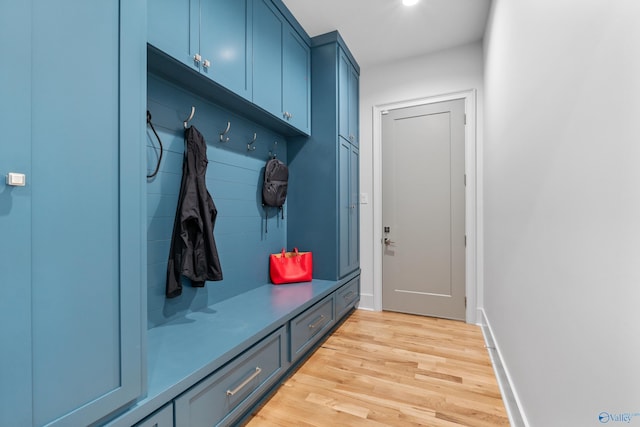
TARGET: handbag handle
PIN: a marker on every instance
(294, 250)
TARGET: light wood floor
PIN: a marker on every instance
(391, 369)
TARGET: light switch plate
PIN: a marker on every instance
(364, 198)
(16, 179)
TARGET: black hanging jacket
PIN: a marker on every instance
(193, 252)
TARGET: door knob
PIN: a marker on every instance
(388, 242)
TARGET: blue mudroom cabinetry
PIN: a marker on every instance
(327, 165)
(80, 347)
(72, 114)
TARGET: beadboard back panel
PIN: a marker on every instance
(245, 234)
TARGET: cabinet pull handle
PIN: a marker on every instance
(245, 382)
(319, 321)
(206, 63)
(197, 58)
(348, 295)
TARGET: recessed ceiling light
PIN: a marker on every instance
(409, 2)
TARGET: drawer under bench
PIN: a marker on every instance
(224, 395)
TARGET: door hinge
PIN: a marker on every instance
(465, 302)
(465, 240)
(465, 179)
(465, 119)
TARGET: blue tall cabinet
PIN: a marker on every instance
(72, 113)
(324, 170)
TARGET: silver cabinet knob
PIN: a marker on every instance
(206, 63)
(197, 58)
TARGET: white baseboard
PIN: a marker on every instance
(510, 398)
(366, 302)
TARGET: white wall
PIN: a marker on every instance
(441, 73)
(562, 205)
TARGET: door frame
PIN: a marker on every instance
(471, 213)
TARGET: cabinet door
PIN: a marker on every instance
(296, 83)
(225, 43)
(80, 257)
(344, 206)
(348, 99)
(267, 57)
(15, 214)
(354, 211)
(343, 94)
(354, 106)
(173, 27)
(348, 233)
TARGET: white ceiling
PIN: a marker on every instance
(378, 31)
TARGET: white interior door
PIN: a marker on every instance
(423, 210)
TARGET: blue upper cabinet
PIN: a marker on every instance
(281, 67)
(254, 48)
(296, 85)
(348, 93)
(72, 258)
(268, 28)
(173, 27)
(212, 37)
(225, 43)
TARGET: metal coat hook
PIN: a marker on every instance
(250, 146)
(272, 153)
(188, 119)
(224, 132)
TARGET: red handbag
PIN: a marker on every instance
(291, 267)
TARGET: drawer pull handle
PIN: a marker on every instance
(317, 322)
(245, 382)
(349, 295)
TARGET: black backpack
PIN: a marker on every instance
(274, 188)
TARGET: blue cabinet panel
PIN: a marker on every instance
(267, 57)
(173, 28)
(348, 99)
(296, 85)
(15, 214)
(349, 208)
(225, 43)
(343, 94)
(354, 113)
(344, 206)
(354, 210)
(81, 257)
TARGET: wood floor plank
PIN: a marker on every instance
(391, 369)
